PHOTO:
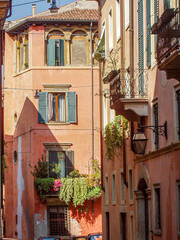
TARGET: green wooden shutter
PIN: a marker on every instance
(27, 53)
(69, 162)
(51, 52)
(61, 60)
(71, 107)
(42, 107)
(167, 4)
(148, 7)
(140, 47)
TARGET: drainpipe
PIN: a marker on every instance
(1, 112)
(92, 97)
(100, 102)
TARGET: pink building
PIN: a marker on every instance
(47, 90)
(140, 81)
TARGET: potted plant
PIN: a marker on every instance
(26, 64)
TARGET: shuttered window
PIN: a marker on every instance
(58, 221)
(148, 22)
(178, 111)
(166, 4)
(140, 47)
(55, 52)
(57, 107)
(62, 162)
(156, 17)
(157, 207)
(156, 123)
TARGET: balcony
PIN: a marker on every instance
(128, 92)
(167, 30)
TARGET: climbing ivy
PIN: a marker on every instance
(114, 135)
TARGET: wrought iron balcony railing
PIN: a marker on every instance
(127, 84)
(167, 29)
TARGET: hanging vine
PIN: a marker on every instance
(114, 135)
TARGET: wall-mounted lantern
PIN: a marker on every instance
(139, 139)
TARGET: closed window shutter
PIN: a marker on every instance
(61, 60)
(69, 162)
(167, 4)
(156, 123)
(71, 107)
(42, 107)
(140, 47)
(51, 52)
(178, 105)
(148, 2)
(28, 53)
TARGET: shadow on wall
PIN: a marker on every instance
(22, 201)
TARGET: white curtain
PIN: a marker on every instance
(61, 108)
(50, 106)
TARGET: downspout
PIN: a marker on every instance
(92, 97)
(100, 102)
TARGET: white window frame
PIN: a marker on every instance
(110, 22)
(118, 20)
(126, 13)
(114, 188)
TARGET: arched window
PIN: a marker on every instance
(55, 48)
(79, 48)
(26, 50)
(22, 53)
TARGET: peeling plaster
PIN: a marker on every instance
(20, 186)
(75, 227)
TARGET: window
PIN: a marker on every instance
(178, 206)
(123, 227)
(22, 53)
(126, 13)
(118, 20)
(58, 221)
(167, 4)
(55, 52)
(62, 161)
(156, 123)
(107, 190)
(110, 30)
(141, 47)
(148, 24)
(57, 107)
(113, 189)
(130, 185)
(122, 187)
(79, 48)
(178, 112)
(157, 209)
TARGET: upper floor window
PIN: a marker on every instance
(55, 49)
(126, 13)
(79, 48)
(110, 30)
(157, 208)
(118, 20)
(57, 107)
(178, 112)
(22, 53)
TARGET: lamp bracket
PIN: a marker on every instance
(160, 129)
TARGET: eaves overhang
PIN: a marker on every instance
(28, 21)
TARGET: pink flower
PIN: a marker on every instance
(57, 184)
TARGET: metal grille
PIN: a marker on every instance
(58, 221)
(156, 123)
(178, 106)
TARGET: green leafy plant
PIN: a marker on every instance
(114, 135)
(80, 191)
(94, 193)
(43, 186)
(56, 170)
(26, 64)
(41, 168)
(66, 192)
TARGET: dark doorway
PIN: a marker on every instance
(142, 186)
(123, 226)
(107, 226)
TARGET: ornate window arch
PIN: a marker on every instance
(79, 47)
(55, 48)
